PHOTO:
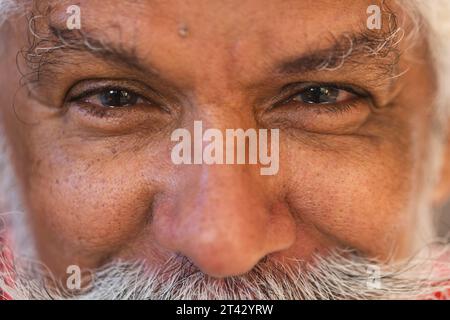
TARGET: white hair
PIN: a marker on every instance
(340, 275)
(435, 15)
(6, 8)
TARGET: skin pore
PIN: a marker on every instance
(99, 184)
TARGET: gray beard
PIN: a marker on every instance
(342, 274)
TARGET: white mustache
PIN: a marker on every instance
(341, 274)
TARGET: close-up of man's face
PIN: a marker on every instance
(208, 149)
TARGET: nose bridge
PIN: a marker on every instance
(222, 221)
(227, 210)
(229, 199)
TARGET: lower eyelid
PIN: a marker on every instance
(99, 111)
(331, 119)
(91, 109)
(340, 107)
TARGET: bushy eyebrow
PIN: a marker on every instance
(48, 48)
(356, 48)
(69, 41)
(105, 49)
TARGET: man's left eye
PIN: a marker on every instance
(114, 98)
(323, 95)
(320, 108)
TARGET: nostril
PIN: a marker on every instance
(264, 259)
(222, 254)
(220, 259)
(223, 223)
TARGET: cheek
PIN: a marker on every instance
(92, 202)
(358, 196)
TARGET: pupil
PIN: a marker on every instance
(320, 95)
(117, 98)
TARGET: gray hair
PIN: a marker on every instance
(340, 275)
(7, 7)
(434, 17)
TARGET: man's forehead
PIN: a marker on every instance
(270, 21)
(251, 37)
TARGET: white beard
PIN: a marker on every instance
(340, 275)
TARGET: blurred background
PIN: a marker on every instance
(444, 222)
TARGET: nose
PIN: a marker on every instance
(224, 221)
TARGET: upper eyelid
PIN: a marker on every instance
(138, 88)
(93, 92)
(146, 93)
(294, 89)
(288, 96)
(300, 87)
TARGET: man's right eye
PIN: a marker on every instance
(113, 98)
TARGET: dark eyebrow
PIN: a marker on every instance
(348, 48)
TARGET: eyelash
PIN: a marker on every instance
(101, 111)
(334, 108)
(97, 91)
(319, 108)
